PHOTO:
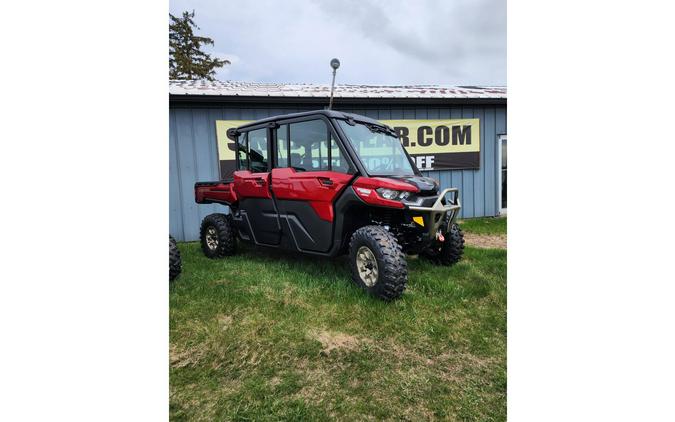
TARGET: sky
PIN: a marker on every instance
(454, 42)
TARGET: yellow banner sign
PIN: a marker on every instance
(226, 152)
(435, 144)
(440, 135)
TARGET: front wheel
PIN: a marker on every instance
(377, 262)
(449, 251)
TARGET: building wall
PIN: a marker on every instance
(193, 155)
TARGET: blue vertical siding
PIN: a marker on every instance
(175, 200)
(193, 155)
(490, 167)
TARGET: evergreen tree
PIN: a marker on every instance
(186, 59)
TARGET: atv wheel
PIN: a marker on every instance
(377, 262)
(217, 236)
(175, 262)
(450, 251)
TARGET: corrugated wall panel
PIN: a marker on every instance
(477, 176)
(187, 174)
(193, 155)
(206, 154)
(489, 172)
(372, 113)
(472, 190)
(175, 200)
(384, 114)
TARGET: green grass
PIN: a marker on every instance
(269, 336)
(485, 225)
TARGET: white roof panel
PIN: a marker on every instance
(259, 89)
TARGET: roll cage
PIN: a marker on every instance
(328, 116)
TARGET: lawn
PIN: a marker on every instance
(266, 335)
(489, 226)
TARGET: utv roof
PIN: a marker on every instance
(328, 113)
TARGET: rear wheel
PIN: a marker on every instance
(175, 262)
(377, 262)
(217, 236)
(449, 251)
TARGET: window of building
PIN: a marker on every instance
(503, 170)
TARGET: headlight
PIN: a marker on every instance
(388, 193)
(393, 194)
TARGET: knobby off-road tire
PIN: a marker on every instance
(448, 252)
(175, 262)
(218, 236)
(378, 245)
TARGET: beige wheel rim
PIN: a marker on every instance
(212, 238)
(367, 266)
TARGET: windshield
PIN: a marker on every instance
(381, 153)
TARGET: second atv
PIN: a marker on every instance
(329, 183)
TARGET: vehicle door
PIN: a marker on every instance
(259, 219)
(310, 171)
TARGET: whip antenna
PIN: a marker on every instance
(335, 63)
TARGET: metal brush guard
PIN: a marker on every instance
(439, 210)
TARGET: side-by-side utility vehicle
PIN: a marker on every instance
(328, 183)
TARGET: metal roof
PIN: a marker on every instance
(261, 89)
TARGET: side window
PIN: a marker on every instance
(337, 160)
(309, 151)
(242, 152)
(257, 145)
(320, 155)
(282, 146)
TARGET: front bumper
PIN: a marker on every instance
(436, 216)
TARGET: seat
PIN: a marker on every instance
(296, 161)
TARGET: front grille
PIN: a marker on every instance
(421, 201)
(431, 192)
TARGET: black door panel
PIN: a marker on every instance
(303, 225)
(260, 219)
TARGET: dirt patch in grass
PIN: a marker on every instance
(288, 295)
(223, 281)
(331, 340)
(186, 357)
(485, 240)
(224, 321)
(318, 384)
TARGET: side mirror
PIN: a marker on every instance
(232, 134)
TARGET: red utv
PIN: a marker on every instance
(328, 183)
